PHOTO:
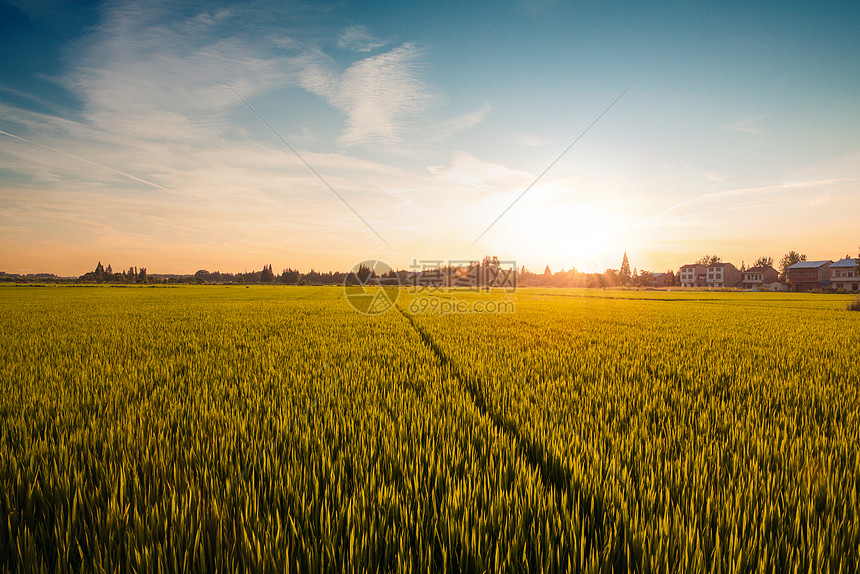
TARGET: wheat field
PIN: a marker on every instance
(274, 429)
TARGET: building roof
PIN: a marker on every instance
(758, 269)
(849, 262)
(809, 264)
(692, 265)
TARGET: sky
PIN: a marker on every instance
(180, 136)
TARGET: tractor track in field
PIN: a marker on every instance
(552, 473)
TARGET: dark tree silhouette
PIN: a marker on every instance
(289, 276)
(267, 275)
(709, 260)
(787, 261)
(764, 261)
(625, 270)
(364, 273)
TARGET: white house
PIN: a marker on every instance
(723, 275)
(844, 275)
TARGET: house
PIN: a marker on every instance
(692, 275)
(648, 279)
(661, 279)
(844, 275)
(759, 277)
(808, 275)
(723, 275)
(775, 286)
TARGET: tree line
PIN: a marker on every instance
(623, 276)
(102, 274)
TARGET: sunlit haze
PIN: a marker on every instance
(124, 141)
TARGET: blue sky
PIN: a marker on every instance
(124, 142)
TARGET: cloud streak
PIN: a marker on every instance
(84, 160)
(463, 122)
(739, 198)
(467, 170)
(358, 39)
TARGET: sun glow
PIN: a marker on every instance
(567, 234)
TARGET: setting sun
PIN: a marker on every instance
(564, 233)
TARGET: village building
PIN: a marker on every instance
(806, 276)
(723, 275)
(693, 275)
(760, 278)
(844, 275)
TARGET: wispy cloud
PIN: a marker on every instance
(533, 140)
(447, 128)
(358, 39)
(732, 199)
(156, 155)
(158, 79)
(42, 102)
(467, 170)
(83, 160)
(713, 176)
(382, 96)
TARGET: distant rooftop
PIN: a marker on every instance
(809, 264)
(850, 262)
